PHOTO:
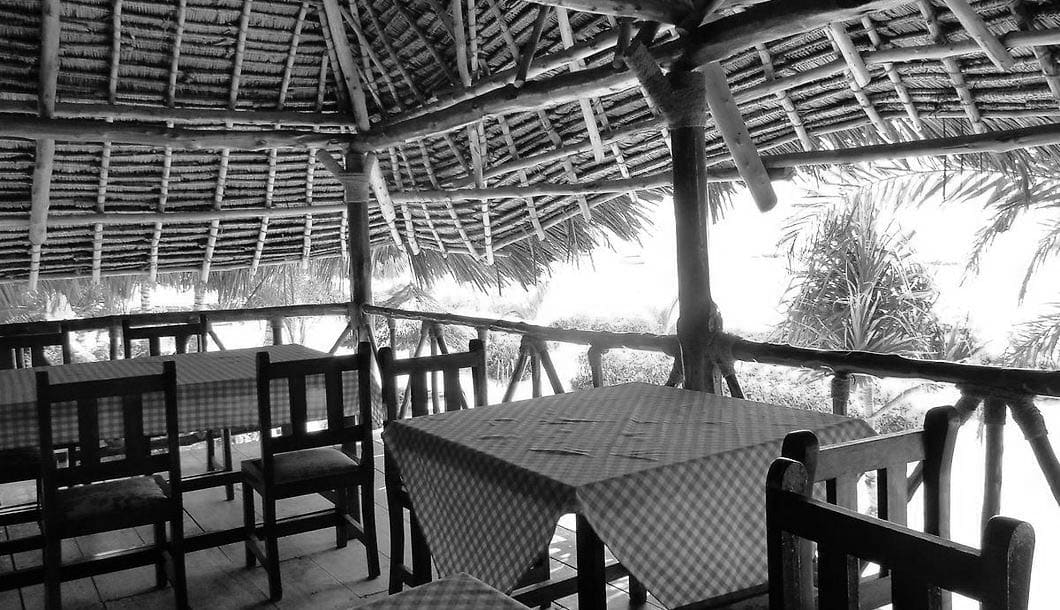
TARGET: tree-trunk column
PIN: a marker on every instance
(359, 242)
(698, 314)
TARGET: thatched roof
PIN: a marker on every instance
(177, 181)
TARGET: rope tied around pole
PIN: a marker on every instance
(681, 95)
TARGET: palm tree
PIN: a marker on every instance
(855, 284)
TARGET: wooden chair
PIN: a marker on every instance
(889, 456)
(23, 464)
(182, 335)
(301, 462)
(397, 497)
(920, 564)
(95, 495)
(15, 348)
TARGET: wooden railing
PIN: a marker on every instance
(998, 390)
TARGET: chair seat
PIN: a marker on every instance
(113, 504)
(303, 465)
(19, 464)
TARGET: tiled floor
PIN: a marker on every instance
(315, 574)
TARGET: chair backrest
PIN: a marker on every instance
(921, 564)
(841, 465)
(420, 369)
(180, 333)
(889, 456)
(337, 428)
(13, 348)
(91, 399)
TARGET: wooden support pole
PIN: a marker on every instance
(698, 318)
(840, 392)
(360, 247)
(44, 160)
(994, 414)
(596, 366)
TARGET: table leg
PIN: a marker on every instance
(592, 594)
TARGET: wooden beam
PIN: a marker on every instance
(663, 11)
(990, 142)
(543, 189)
(333, 20)
(1046, 59)
(526, 55)
(566, 34)
(44, 159)
(87, 130)
(765, 22)
(360, 248)
(978, 31)
(850, 54)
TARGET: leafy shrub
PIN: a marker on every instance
(624, 366)
(501, 354)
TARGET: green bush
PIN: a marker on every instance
(624, 366)
(501, 354)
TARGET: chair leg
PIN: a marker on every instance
(53, 556)
(371, 539)
(421, 553)
(272, 554)
(226, 456)
(160, 546)
(637, 593)
(248, 524)
(342, 504)
(397, 547)
(176, 556)
(211, 460)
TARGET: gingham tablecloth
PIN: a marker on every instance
(456, 591)
(671, 480)
(214, 390)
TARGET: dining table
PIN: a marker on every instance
(672, 482)
(214, 390)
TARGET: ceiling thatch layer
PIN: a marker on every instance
(140, 137)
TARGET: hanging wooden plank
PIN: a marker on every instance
(729, 121)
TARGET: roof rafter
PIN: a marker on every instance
(663, 11)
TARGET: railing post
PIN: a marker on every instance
(277, 330)
(841, 382)
(596, 365)
(994, 415)
(535, 370)
(114, 334)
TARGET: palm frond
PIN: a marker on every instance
(1037, 343)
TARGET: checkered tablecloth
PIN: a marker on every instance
(672, 481)
(214, 390)
(456, 591)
